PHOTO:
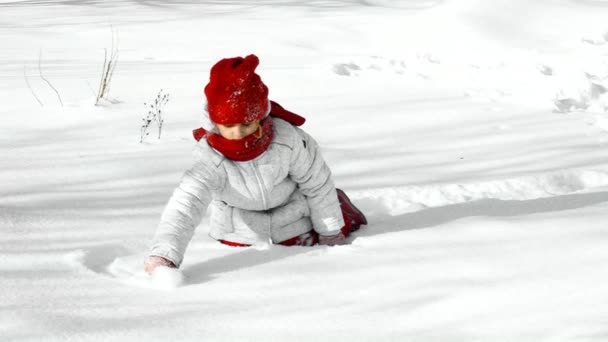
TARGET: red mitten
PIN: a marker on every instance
(154, 261)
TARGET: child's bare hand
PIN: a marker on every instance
(338, 239)
(153, 261)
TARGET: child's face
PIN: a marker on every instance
(238, 131)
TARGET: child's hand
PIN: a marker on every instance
(338, 239)
(153, 261)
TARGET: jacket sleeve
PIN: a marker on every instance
(183, 213)
(309, 170)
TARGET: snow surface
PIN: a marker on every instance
(473, 133)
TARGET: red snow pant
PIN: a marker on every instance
(353, 219)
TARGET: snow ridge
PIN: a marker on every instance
(399, 200)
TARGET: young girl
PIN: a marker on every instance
(262, 177)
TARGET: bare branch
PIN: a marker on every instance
(101, 83)
(29, 86)
(45, 80)
(111, 71)
(155, 114)
(108, 68)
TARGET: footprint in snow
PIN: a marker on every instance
(596, 40)
(346, 69)
(545, 69)
(370, 64)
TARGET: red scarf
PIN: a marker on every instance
(253, 145)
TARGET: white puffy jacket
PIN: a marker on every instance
(285, 192)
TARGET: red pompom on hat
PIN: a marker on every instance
(235, 93)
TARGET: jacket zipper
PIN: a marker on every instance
(261, 185)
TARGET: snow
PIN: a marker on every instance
(473, 134)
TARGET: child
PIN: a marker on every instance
(262, 177)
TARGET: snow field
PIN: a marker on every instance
(472, 134)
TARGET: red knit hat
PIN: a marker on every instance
(235, 93)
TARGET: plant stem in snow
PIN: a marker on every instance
(45, 80)
(30, 87)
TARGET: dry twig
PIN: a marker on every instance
(45, 80)
(30, 87)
